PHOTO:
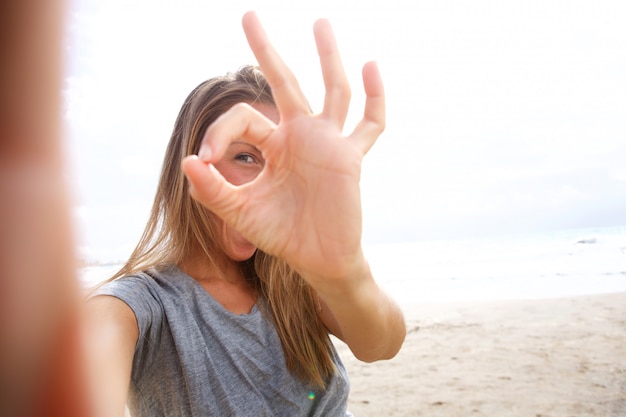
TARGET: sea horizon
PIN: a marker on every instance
(554, 264)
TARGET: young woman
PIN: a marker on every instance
(252, 255)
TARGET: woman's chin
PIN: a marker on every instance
(243, 253)
(239, 248)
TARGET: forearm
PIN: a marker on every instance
(361, 314)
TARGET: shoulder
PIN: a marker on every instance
(151, 294)
(145, 286)
(139, 294)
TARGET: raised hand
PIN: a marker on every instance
(305, 205)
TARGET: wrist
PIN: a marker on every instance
(351, 285)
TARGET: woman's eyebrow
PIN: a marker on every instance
(240, 142)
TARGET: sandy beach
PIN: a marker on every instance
(540, 358)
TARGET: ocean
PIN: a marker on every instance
(556, 264)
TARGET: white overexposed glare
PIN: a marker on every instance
(503, 116)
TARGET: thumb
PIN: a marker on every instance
(210, 188)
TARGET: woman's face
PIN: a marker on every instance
(241, 164)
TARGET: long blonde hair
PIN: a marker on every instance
(178, 226)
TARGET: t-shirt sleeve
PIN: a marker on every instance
(139, 292)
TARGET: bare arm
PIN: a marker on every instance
(41, 367)
(365, 318)
(111, 337)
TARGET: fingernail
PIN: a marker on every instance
(205, 154)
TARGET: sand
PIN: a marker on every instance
(541, 358)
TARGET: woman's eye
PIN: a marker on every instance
(245, 158)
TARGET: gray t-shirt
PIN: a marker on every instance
(195, 358)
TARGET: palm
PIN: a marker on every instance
(305, 205)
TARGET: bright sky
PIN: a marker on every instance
(503, 116)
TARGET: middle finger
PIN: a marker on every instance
(337, 98)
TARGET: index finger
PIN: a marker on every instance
(289, 98)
